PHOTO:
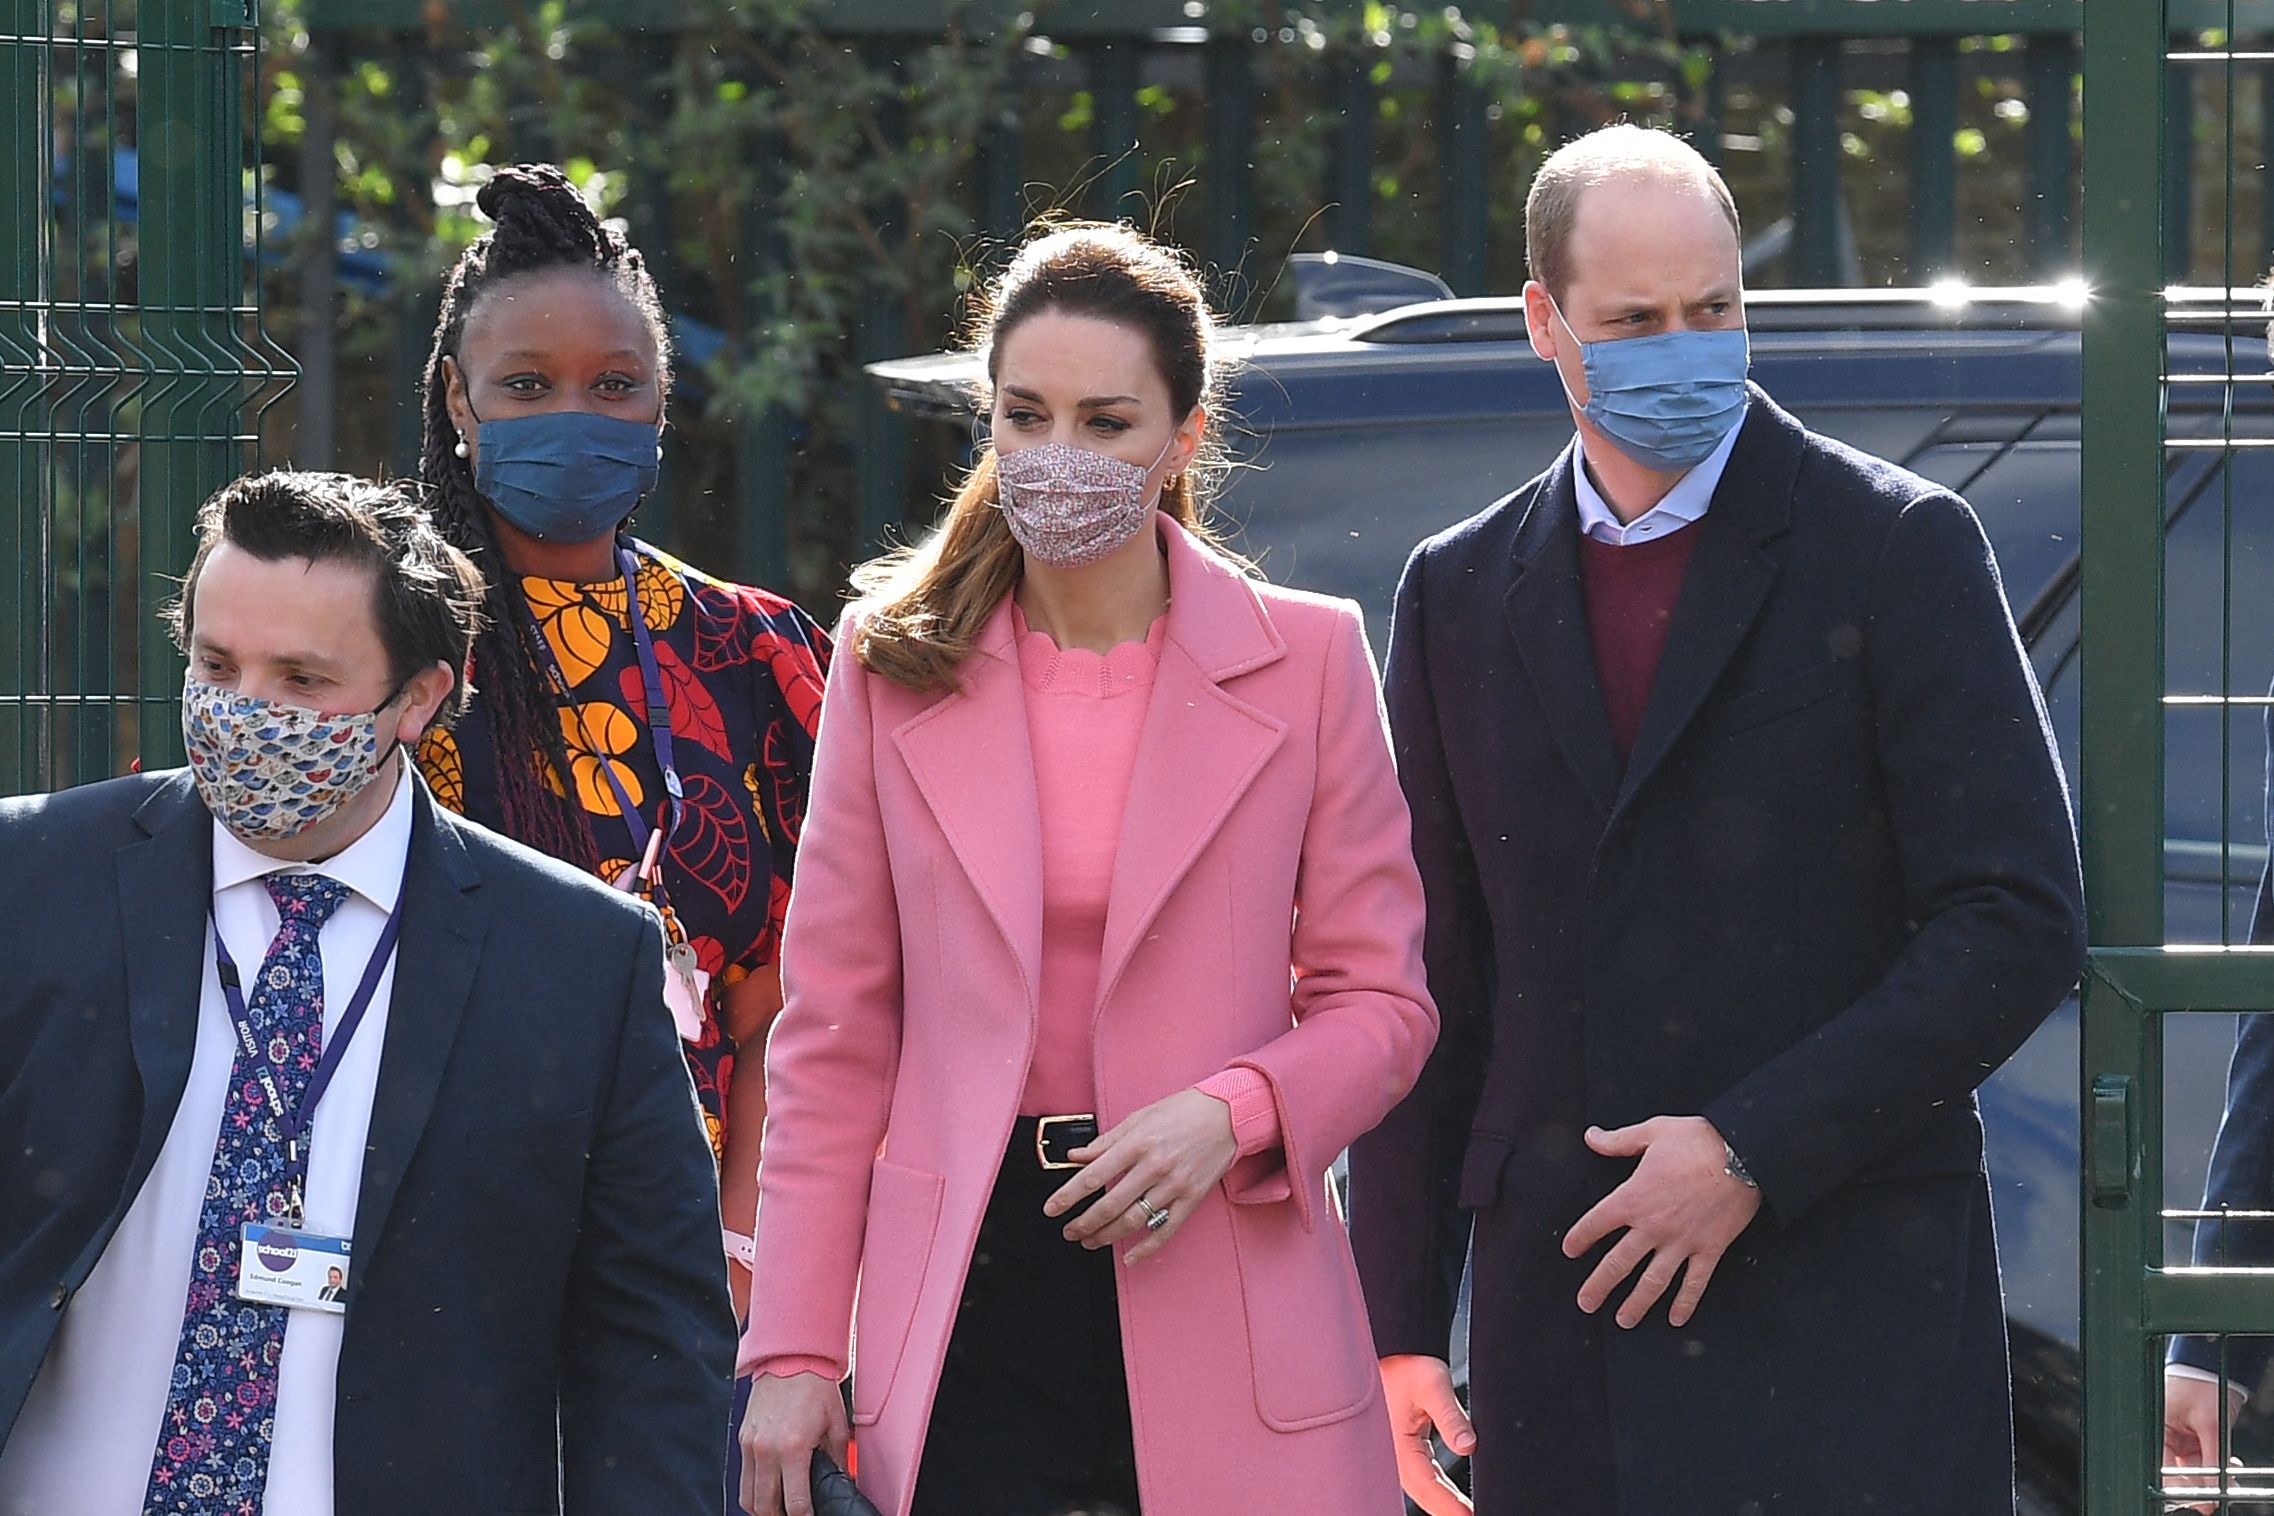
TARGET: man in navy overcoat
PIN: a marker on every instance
(1748, 858)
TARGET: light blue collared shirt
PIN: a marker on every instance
(1684, 503)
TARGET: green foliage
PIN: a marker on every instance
(821, 200)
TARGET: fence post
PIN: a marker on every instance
(1113, 104)
(643, 63)
(762, 455)
(2050, 72)
(1002, 160)
(1815, 260)
(1466, 241)
(1713, 111)
(2121, 760)
(1932, 78)
(1228, 167)
(880, 331)
(316, 435)
(24, 533)
(2178, 170)
(1351, 190)
(192, 270)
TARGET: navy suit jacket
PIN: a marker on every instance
(1834, 886)
(540, 1320)
(2242, 1160)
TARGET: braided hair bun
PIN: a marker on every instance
(541, 220)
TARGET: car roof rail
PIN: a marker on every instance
(1501, 318)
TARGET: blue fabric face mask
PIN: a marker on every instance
(566, 476)
(1665, 400)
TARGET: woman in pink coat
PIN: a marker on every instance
(1107, 940)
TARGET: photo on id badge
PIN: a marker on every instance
(279, 1266)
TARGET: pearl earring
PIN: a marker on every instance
(460, 449)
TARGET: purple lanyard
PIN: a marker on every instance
(658, 715)
(293, 1122)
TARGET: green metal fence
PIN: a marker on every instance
(2149, 688)
(133, 367)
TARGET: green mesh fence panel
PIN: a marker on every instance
(133, 365)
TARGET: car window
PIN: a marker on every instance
(2026, 494)
(2219, 553)
(1338, 510)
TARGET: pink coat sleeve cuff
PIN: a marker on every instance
(790, 1363)
(1255, 1115)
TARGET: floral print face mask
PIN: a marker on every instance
(1070, 506)
(270, 771)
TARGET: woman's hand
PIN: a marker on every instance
(788, 1417)
(1171, 1153)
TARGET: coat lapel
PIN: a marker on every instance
(1548, 619)
(974, 766)
(1200, 748)
(1729, 577)
(165, 896)
(445, 923)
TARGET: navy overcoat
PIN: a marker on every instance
(1834, 887)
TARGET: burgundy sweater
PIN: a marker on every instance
(1630, 593)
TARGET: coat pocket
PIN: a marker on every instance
(903, 1219)
(1786, 697)
(1307, 1332)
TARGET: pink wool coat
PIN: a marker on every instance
(1265, 912)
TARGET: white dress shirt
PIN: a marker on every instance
(88, 1434)
(1684, 503)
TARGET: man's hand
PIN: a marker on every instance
(2193, 1422)
(1419, 1390)
(1680, 1210)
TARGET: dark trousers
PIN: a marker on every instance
(1032, 1414)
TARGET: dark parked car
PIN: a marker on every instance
(1359, 436)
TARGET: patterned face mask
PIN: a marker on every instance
(270, 771)
(1069, 506)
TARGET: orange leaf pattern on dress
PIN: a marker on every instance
(742, 673)
(580, 630)
(694, 710)
(445, 769)
(598, 734)
(663, 595)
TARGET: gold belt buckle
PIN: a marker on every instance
(1042, 1126)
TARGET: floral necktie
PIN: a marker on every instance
(213, 1446)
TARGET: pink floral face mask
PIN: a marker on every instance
(1069, 506)
(269, 771)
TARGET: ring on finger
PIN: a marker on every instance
(1156, 1217)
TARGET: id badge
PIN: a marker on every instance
(305, 1270)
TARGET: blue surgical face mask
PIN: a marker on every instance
(1666, 401)
(566, 476)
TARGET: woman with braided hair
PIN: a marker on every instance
(633, 716)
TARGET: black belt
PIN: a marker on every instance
(1055, 1137)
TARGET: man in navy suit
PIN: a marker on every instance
(2197, 1412)
(282, 1004)
(1748, 858)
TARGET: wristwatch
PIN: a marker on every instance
(1734, 1167)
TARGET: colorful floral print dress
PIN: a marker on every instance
(742, 672)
